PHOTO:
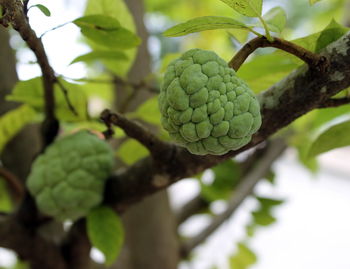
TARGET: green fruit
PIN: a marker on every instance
(205, 107)
(68, 179)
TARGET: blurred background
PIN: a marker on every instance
(308, 222)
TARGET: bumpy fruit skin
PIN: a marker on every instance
(68, 179)
(205, 107)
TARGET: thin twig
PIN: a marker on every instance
(66, 97)
(13, 182)
(14, 15)
(139, 85)
(243, 190)
(314, 60)
(54, 28)
(92, 80)
(335, 102)
(134, 130)
(136, 87)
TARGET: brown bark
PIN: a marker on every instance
(8, 75)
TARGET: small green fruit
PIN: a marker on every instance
(68, 179)
(205, 107)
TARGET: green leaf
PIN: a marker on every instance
(203, 24)
(105, 231)
(244, 257)
(43, 9)
(250, 8)
(31, 92)
(13, 121)
(334, 137)
(148, 111)
(317, 41)
(226, 178)
(268, 203)
(118, 10)
(131, 151)
(302, 142)
(106, 31)
(250, 229)
(263, 217)
(101, 55)
(276, 19)
(330, 34)
(99, 22)
(271, 176)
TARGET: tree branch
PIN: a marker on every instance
(157, 147)
(314, 60)
(244, 189)
(76, 246)
(136, 87)
(335, 102)
(30, 247)
(14, 15)
(13, 182)
(300, 92)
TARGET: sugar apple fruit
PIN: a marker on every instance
(68, 179)
(205, 106)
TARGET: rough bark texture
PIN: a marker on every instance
(8, 75)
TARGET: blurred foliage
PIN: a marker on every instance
(131, 151)
(13, 121)
(5, 200)
(326, 141)
(226, 176)
(31, 92)
(244, 257)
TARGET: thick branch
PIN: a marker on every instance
(313, 60)
(195, 205)
(29, 246)
(244, 189)
(302, 91)
(14, 14)
(76, 247)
